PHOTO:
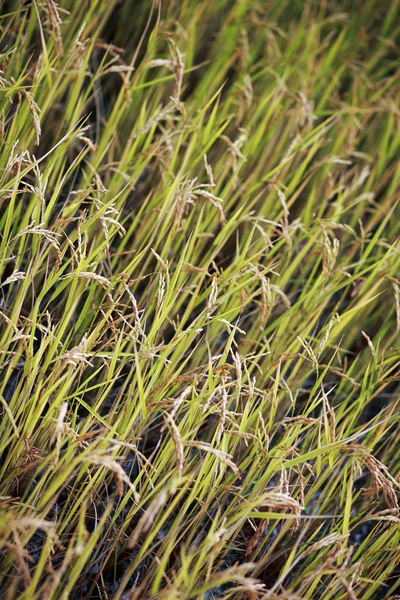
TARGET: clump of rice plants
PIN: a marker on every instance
(199, 300)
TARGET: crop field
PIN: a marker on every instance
(199, 300)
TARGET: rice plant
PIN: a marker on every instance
(199, 300)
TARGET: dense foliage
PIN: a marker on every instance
(199, 299)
